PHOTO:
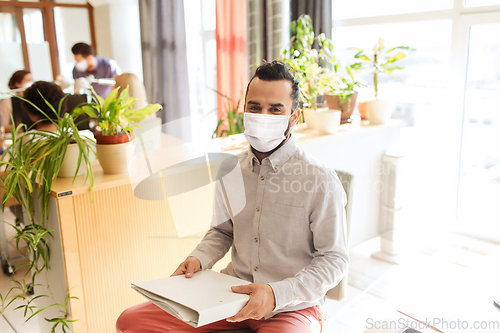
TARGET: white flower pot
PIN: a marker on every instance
(328, 121)
(70, 162)
(115, 158)
(310, 117)
(379, 111)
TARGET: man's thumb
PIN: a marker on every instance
(241, 289)
(190, 268)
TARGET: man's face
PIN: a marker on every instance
(269, 97)
(90, 59)
(79, 57)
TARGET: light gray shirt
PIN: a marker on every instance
(291, 233)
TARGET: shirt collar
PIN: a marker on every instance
(279, 157)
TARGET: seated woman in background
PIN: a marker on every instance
(20, 79)
(136, 89)
(53, 94)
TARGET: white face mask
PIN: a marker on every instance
(27, 85)
(264, 132)
(82, 65)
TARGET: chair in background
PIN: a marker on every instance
(338, 292)
(72, 101)
(135, 88)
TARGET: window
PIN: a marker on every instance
(449, 134)
(368, 8)
(38, 35)
(202, 66)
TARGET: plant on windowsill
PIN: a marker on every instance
(378, 61)
(345, 96)
(315, 69)
(33, 161)
(116, 119)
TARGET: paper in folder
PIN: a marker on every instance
(204, 298)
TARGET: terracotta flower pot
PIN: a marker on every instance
(112, 139)
(347, 107)
(363, 111)
(115, 158)
(114, 152)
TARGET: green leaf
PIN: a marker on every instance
(99, 99)
(110, 99)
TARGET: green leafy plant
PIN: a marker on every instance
(347, 85)
(233, 116)
(36, 157)
(381, 60)
(115, 114)
(33, 161)
(314, 68)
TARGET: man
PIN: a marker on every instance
(289, 239)
(87, 63)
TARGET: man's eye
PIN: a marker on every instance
(254, 108)
(275, 110)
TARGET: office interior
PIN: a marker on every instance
(422, 180)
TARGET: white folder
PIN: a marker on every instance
(204, 298)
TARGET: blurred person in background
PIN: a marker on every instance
(53, 95)
(19, 80)
(88, 64)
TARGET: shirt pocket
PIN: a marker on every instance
(285, 224)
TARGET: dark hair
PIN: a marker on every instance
(277, 71)
(17, 77)
(52, 94)
(83, 48)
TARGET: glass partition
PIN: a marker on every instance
(72, 26)
(38, 48)
(11, 51)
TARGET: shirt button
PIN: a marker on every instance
(276, 168)
(257, 209)
(255, 268)
(261, 177)
(255, 239)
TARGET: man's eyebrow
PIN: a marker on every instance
(278, 104)
(253, 102)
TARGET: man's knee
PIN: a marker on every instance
(123, 321)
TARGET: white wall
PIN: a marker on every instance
(103, 31)
(118, 33)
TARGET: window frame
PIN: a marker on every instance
(47, 9)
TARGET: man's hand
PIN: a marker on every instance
(188, 267)
(261, 302)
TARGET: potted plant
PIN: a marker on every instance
(115, 119)
(233, 117)
(345, 96)
(380, 61)
(313, 70)
(33, 161)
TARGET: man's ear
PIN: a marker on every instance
(295, 117)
